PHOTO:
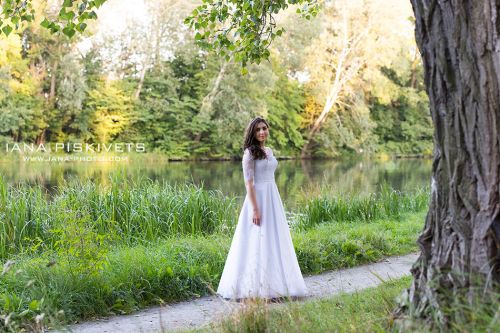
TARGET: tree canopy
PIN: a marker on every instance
(328, 87)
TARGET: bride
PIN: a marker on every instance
(261, 262)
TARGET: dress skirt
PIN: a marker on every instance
(261, 262)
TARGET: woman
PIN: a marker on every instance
(261, 262)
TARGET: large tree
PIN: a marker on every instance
(459, 43)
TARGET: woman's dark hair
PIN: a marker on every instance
(251, 141)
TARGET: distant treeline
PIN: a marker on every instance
(323, 94)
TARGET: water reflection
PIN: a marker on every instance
(294, 178)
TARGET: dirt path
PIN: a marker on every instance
(201, 311)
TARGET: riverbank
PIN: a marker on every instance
(201, 312)
(92, 250)
(124, 156)
(126, 279)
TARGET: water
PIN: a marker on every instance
(295, 178)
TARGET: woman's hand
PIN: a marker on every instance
(256, 217)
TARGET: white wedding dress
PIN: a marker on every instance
(261, 261)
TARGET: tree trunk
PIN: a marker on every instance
(345, 68)
(138, 90)
(207, 102)
(40, 139)
(459, 42)
(414, 66)
(53, 80)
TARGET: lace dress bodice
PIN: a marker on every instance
(259, 170)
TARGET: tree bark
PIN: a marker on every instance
(459, 42)
(207, 102)
(53, 80)
(142, 75)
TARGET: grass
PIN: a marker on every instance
(369, 310)
(133, 212)
(343, 244)
(181, 268)
(95, 250)
(387, 203)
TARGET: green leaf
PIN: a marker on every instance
(54, 27)
(45, 23)
(198, 36)
(81, 27)
(82, 8)
(34, 305)
(244, 71)
(92, 15)
(7, 30)
(70, 32)
(98, 3)
(67, 16)
(24, 313)
(68, 3)
(83, 17)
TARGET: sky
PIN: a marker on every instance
(113, 14)
(112, 19)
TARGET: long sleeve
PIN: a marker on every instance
(248, 166)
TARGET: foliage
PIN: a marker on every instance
(71, 17)
(145, 210)
(20, 107)
(151, 84)
(179, 268)
(21, 313)
(111, 110)
(243, 29)
(78, 245)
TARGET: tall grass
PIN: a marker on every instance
(24, 217)
(130, 211)
(387, 203)
(133, 211)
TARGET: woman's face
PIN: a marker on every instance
(261, 132)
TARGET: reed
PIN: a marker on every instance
(130, 212)
(387, 203)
